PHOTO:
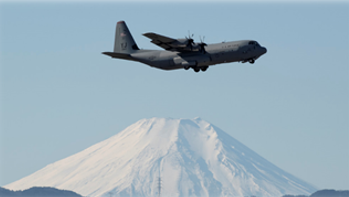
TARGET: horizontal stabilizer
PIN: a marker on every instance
(118, 55)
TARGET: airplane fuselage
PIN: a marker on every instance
(226, 52)
(183, 53)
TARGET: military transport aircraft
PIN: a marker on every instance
(183, 53)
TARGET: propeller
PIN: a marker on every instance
(202, 45)
(190, 40)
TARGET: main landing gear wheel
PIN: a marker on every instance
(196, 69)
(251, 61)
(186, 67)
(204, 68)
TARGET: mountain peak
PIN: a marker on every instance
(191, 157)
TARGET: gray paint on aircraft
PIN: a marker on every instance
(182, 53)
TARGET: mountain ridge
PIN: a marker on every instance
(38, 192)
(191, 156)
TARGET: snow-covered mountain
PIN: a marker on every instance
(191, 157)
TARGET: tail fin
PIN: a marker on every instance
(124, 42)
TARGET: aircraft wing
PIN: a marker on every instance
(184, 45)
(162, 41)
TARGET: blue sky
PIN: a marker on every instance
(60, 95)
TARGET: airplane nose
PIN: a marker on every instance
(264, 50)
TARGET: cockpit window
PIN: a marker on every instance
(253, 43)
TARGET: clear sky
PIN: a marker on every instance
(60, 95)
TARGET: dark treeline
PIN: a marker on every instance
(38, 192)
(325, 193)
(50, 191)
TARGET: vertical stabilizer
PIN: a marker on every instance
(124, 42)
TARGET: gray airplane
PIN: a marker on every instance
(183, 53)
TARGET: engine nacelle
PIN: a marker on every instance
(180, 43)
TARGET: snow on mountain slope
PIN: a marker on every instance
(191, 156)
